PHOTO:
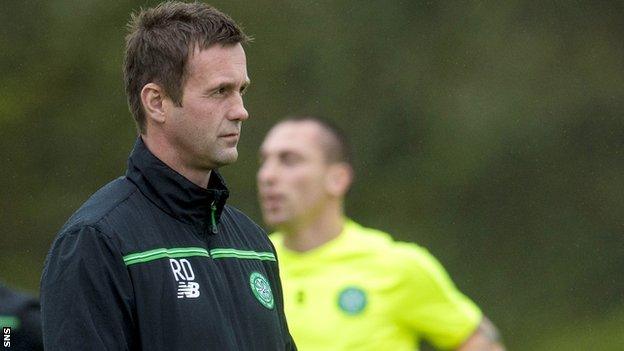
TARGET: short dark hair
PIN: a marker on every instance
(337, 149)
(160, 42)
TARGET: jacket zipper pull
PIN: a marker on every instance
(213, 218)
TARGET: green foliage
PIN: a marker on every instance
(491, 133)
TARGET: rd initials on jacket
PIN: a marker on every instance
(184, 275)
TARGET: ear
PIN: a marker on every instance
(338, 179)
(152, 98)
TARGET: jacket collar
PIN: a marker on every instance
(175, 194)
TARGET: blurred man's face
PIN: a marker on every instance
(291, 178)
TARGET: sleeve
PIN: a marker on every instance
(431, 304)
(86, 294)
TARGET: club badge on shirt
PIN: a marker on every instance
(261, 289)
(352, 300)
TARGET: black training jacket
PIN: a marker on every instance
(20, 321)
(153, 262)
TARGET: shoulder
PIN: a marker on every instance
(93, 224)
(103, 204)
(80, 251)
(367, 242)
(412, 253)
(367, 237)
(420, 269)
(400, 256)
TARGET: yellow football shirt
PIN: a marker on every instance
(364, 291)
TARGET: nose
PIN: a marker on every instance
(237, 111)
(266, 174)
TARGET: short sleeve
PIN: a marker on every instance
(86, 294)
(431, 304)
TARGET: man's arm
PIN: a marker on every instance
(86, 294)
(485, 338)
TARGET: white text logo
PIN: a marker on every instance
(184, 275)
(6, 332)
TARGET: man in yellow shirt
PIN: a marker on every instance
(347, 287)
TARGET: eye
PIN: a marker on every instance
(290, 159)
(221, 91)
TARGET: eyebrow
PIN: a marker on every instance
(226, 84)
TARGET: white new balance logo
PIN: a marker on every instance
(190, 290)
(183, 274)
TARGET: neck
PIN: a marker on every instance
(170, 156)
(312, 233)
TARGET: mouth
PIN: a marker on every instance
(271, 201)
(230, 138)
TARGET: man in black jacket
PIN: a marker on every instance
(155, 260)
(20, 321)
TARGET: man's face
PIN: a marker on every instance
(291, 178)
(205, 130)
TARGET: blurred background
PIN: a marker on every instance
(489, 132)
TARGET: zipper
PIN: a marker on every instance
(213, 218)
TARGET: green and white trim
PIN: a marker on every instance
(249, 255)
(175, 252)
(181, 252)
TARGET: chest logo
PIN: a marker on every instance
(184, 276)
(261, 289)
(352, 300)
